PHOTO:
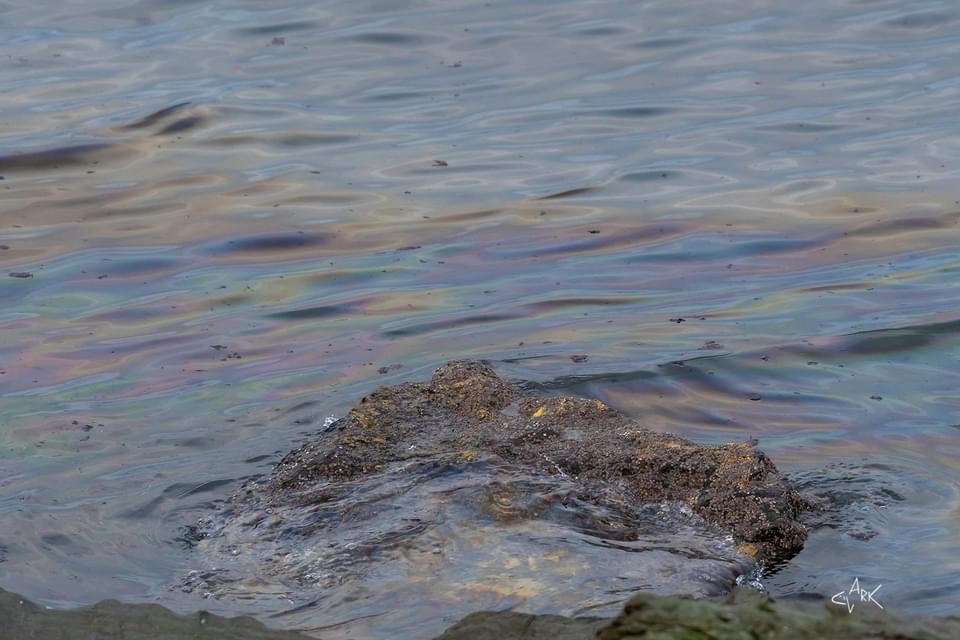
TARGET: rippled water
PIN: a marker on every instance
(225, 221)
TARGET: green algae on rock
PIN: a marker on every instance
(467, 410)
(111, 620)
(744, 614)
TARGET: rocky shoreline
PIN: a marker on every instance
(744, 613)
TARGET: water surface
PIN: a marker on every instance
(224, 222)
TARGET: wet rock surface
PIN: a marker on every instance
(742, 614)
(111, 620)
(466, 412)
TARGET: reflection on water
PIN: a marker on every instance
(224, 221)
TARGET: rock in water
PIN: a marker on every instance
(466, 410)
(431, 500)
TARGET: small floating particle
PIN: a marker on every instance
(875, 397)
(579, 357)
(440, 163)
(278, 41)
(593, 231)
(218, 347)
(389, 368)
(755, 396)
(712, 344)
(20, 274)
(677, 320)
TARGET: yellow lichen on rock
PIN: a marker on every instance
(539, 413)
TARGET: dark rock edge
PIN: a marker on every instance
(743, 614)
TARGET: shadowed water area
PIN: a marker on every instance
(222, 223)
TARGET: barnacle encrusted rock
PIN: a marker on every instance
(466, 411)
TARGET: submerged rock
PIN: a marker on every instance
(467, 411)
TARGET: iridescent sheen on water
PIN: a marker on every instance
(225, 221)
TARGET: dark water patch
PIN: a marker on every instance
(290, 140)
(343, 278)
(140, 266)
(445, 325)
(315, 313)
(146, 343)
(300, 406)
(393, 38)
(721, 248)
(803, 127)
(176, 491)
(601, 32)
(851, 286)
(133, 315)
(187, 489)
(156, 116)
(921, 20)
(145, 510)
(56, 539)
(327, 199)
(581, 385)
(879, 341)
(61, 543)
(663, 43)
(630, 112)
(283, 27)
(648, 176)
(778, 245)
(906, 225)
(57, 157)
(121, 210)
(304, 139)
(564, 303)
(469, 216)
(603, 241)
(272, 243)
(182, 125)
(569, 193)
(852, 497)
(398, 96)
